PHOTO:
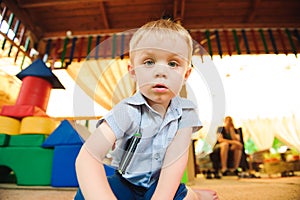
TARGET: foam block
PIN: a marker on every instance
(4, 139)
(31, 165)
(37, 125)
(34, 91)
(184, 178)
(9, 125)
(64, 134)
(39, 69)
(20, 111)
(26, 140)
(6, 175)
(63, 168)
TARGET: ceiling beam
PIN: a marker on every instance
(178, 10)
(54, 3)
(253, 10)
(182, 9)
(175, 7)
(62, 34)
(25, 18)
(239, 26)
(104, 16)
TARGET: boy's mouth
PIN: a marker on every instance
(160, 88)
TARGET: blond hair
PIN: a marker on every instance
(161, 28)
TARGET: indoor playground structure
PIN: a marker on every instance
(29, 153)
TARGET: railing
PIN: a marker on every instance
(211, 42)
(15, 41)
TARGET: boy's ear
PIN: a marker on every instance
(131, 71)
(188, 73)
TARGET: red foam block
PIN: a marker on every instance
(20, 111)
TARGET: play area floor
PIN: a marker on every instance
(227, 188)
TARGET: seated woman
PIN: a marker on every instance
(229, 140)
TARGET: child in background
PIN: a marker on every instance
(155, 117)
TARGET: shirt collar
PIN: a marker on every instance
(176, 102)
(136, 99)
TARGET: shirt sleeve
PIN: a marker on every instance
(121, 119)
(190, 118)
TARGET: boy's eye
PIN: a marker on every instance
(149, 62)
(173, 64)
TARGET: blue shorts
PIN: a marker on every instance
(125, 190)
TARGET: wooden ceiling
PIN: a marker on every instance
(53, 18)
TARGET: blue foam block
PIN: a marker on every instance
(39, 69)
(64, 134)
(63, 167)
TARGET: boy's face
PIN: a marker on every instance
(160, 68)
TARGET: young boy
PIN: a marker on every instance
(162, 122)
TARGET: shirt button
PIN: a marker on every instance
(156, 156)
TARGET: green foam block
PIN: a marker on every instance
(4, 139)
(31, 165)
(184, 178)
(25, 140)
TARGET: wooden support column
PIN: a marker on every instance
(191, 160)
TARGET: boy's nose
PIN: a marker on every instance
(160, 70)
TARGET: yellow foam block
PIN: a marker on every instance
(9, 125)
(37, 125)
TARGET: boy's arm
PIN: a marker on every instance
(90, 170)
(174, 165)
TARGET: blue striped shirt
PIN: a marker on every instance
(134, 115)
